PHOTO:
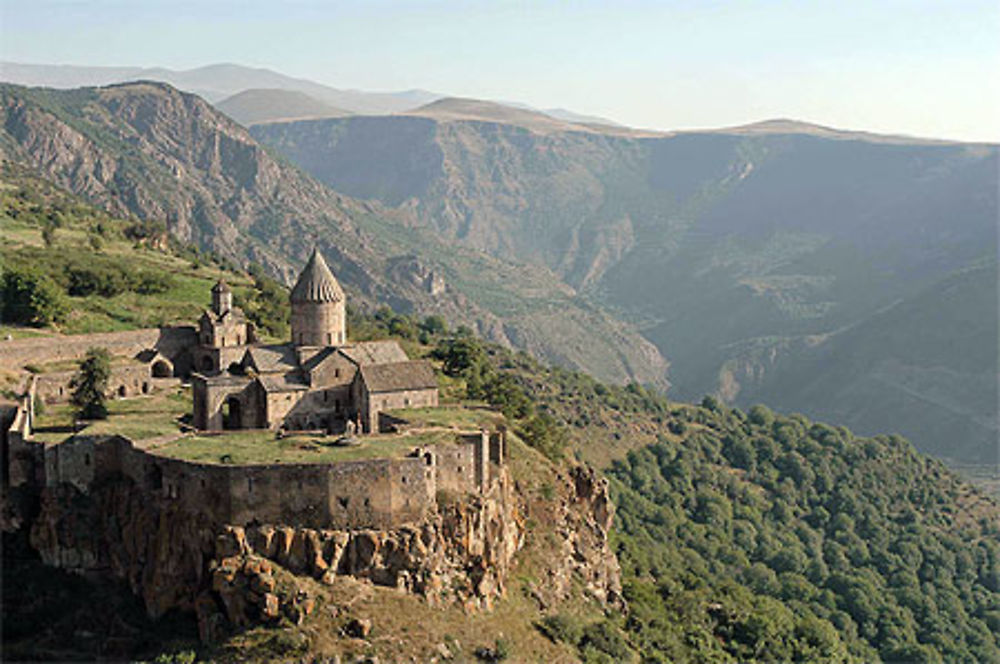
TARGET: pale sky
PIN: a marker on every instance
(914, 67)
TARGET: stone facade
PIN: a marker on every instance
(317, 381)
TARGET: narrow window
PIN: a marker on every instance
(343, 502)
(336, 374)
(249, 485)
(329, 338)
(86, 459)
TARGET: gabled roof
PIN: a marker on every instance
(374, 352)
(317, 283)
(221, 287)
(281, 383)
(399, 376)
(272, 359)
(234, 314)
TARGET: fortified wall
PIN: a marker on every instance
(375, 493)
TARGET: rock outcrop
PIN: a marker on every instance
(582, 515)
(232, 576)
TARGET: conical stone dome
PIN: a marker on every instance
(317, 283)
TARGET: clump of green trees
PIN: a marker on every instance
(489, 378)
(765, 537)
(31, 298)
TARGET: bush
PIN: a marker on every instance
(561, 628)
(30, 298)
(546, 435)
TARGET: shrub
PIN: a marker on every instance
(30, 298)
(546, 435)
(561, 628)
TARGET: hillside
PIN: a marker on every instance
(148, 150)
(742, 536)
(737, 252)
(255, 106)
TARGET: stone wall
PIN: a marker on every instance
(381, 401)
(125, 381)
(172, 342)
(377, 493)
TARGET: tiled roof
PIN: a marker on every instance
(272, 359)
(398, 376)
(374, 352)
(317, 283)
(281, 383)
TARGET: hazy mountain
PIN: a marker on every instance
(218, 83)
(255, 106)
(739, 252)
(214, 83)
(457, 108)
(147, 149)
(579, 118)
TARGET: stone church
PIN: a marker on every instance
(319, 380)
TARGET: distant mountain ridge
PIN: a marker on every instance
(214, 83)
(744, 254)
(219, 83)
(260, 105)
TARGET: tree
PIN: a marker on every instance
(546, 435)
(91, 384)
(30, 298)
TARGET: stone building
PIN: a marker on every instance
(223, 333)
(319, 380)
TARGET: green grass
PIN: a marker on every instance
(138, 418)
(456, 417)
(259, 447)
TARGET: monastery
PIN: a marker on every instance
(318, 380)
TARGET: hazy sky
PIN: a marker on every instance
(916, 67)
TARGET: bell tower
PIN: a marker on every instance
(319, 316)
(222, 298)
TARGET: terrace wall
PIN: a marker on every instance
(171, 342)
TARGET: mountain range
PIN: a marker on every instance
(816, 269)
(237, 90)
(148, 150)
(819, 270)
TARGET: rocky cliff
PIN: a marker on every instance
(234, 576)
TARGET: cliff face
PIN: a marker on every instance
(233, 576)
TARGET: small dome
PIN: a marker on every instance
(317, 283)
